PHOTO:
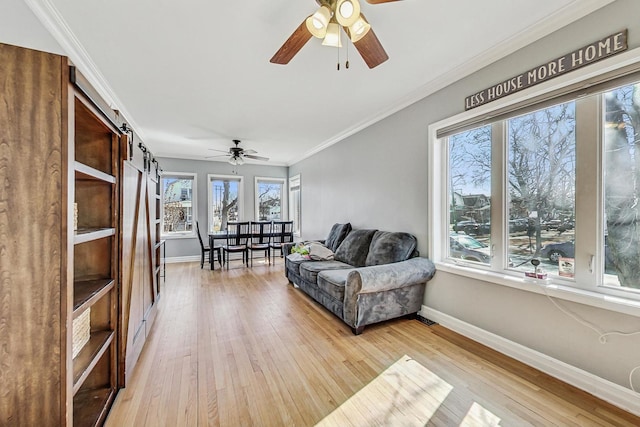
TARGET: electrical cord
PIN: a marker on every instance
(631, 379)
(602, 336)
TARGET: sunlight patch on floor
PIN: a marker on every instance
(479, 416)
(405, 394)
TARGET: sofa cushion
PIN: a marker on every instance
(332, 282)
(354, 248)
(336, 235)
(309, 270)
(387, 247)
(292, 263)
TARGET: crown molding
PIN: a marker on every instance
(53, 21)
(554, 22)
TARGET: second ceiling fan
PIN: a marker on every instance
(237, 154)
(326, 22)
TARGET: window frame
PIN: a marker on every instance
(295, 184)
(586, 287)
(194, 205)
(221, 177)
(284, 211)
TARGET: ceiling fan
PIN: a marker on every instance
(325, 24)
(237, 154)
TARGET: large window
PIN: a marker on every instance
(225, 201)
(295, 204)
(470, 195)
(621, 233)
(551, 189)
(270, 199)
(178, 204)
(541, 172)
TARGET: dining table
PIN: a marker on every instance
(222, 235)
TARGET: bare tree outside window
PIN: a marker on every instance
(225, 202)
(269, 201)
(470, 195)
(541, 183)
(622, 185)
(177, 204)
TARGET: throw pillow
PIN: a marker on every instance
(387, 247)
(354, 248)
(336, 235)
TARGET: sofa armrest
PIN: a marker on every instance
(286, 248)
(382, 278)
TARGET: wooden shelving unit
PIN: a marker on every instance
(95, 246)
(61, 279)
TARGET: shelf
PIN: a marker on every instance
(87, 292)
(158, 197)
(87, 172)
(88, 357)
(88, 234)
(90, 406)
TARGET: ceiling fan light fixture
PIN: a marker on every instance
(239, 160)
(313, 30)
(359, 29)
(318, 22)
(332, 38)
(347, 12)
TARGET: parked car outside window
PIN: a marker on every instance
(465, 247)
(555, 251)
(469, 227)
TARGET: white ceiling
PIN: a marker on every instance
(194, 74)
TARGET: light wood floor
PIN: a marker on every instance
(244, 348)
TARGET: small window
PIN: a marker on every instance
(225, 201)
(270, 201)
(295, 203)
(178, 204)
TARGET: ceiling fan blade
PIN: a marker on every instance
(219, 155)
(251, 156)
(379, 1)
(220, 151)
(371, 49)
(249, 151)
(293, 44)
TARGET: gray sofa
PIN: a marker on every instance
(374, 276)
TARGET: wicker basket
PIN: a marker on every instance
(75, 216)
(81, 331)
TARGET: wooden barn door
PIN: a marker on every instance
(139, 287)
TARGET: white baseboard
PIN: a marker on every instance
(606, 390)
(176, 259)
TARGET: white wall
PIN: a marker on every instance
(378, 179)
(20, 27)
(185, 247)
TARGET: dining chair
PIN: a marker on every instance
(204, 249)
(237, 241)
(281, 234)
(260, 239)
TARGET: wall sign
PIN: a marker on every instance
(589, 54)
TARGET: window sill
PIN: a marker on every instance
(549, 287)
(178, 236)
